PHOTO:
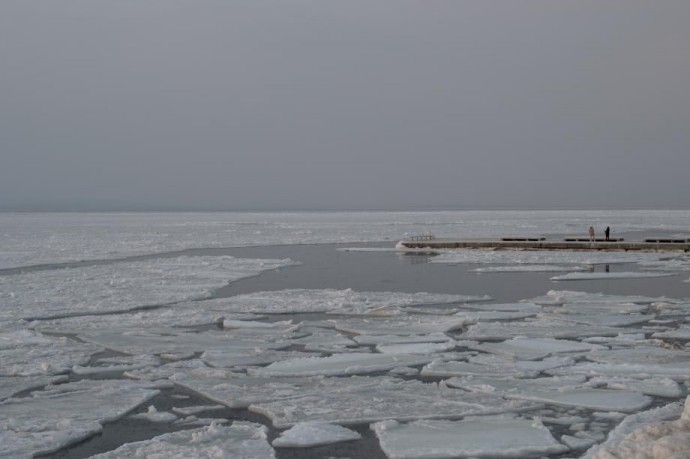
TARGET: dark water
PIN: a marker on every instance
(323, 266)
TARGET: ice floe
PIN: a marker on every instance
(123, 285)
(339, 364)
(658, 433)
(481, 437)
(609, 275)
(240, 440)
(493, 367)
(52, 419)
(541, 257)
(307, 434)
(10, 386)
(528, 268)
(153, 415)
(524, 348)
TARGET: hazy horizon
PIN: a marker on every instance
(170, 105)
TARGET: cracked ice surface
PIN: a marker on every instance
(481, 437)
(122, 286)
(339, 364)
(10, 386)
(345, 301)
(307, 434)
(240, 440)
(657, 433)
(524, 348)
(65, 414)
(28, 353)
(33, 238)
(160, 341)
(539, 328)
(399, 325)
(569, 392)
(528, 268)
(609, 275)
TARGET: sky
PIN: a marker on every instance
(344, 105)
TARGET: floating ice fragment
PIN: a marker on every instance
(10, 386)
(241, 440)
(308, 434)
(65, 414)
(660, 387)
(609, 275)
(524, 348)
(415, 348)
(153, 415)
(338, 364)
(514, 438)
(194, 410)
(528, 268)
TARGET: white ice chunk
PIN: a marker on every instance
(524, 348)
(118, 364)
(28, 353)
(307, 434)
(231, 358)
(660, 387)
(559, 297)
(338, 364)
(401, 325)
(124, 285)
(369, 340)
(10, 386)
(153, 415)
(682, 332)
(68, 413)
(167, 340)
(609, 275)
(538, 328)
(240, 440)
(514, 438)
(638, 435)
(528, 269)
(496, 367)
(415, 348)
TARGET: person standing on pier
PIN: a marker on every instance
(607, 231)
(591, 234)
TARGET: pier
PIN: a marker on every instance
(541, 243)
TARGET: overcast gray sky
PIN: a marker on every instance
(237, 105)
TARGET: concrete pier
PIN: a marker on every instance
(537, 243)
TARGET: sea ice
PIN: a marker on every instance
(660, 387)
(541, 257)
(369, 340)
(52, 419)
(167, 340)
(478, 438)
(240, 440)
(345, 301)
(194, 410)
(539, 328)
(339, 364)
(10, 386)
(106, 365)
(559, 297)
(524, 348)
(389, 399)
(609, 275)
(528, 268)
(646, 435)
(28, 353)
(682, 332)
(248, 357)
(122, 286)
(153, 415)
(415, 348)
(399, 325)
(308, 434)
(494, 367)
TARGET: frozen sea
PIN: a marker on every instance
(307, 335)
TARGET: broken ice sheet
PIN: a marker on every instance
(122, 286)
(493, 367)
(560, 297)
(369, 340)
(415, 348)
(399, 325)
(389, 399)
(479, 437)
(524, 348)
(660, 387)
(249, 357)
(609, 275)
(28, 353)
(528, 268)
(346, 301)
(109, 364)
(170, 340)
(240, 440)
(568, 392)
(541, 327)
(308, 434)
(10, 386)
(339, 364)
(52, 419)
(153, 415)
(682, 332)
